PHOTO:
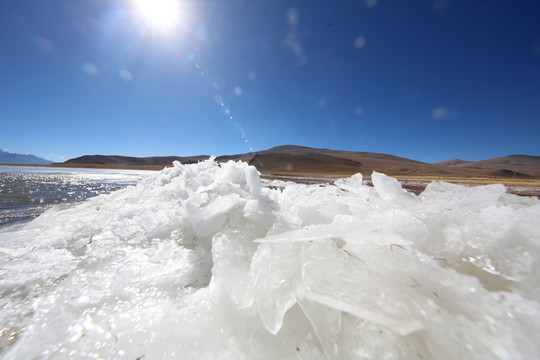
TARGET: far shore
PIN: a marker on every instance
(94, 166)
(416, 184)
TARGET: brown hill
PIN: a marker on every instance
(304, 150)
(303, 164)
(301, 160)
(295, 160)
(453, 162)
(128, 162)
(512, 165)
(292, 160)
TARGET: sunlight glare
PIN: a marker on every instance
(161, 15)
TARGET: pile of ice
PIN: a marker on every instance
(205, 261)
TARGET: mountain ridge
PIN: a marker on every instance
(528, 164)
(7, 158)
(294, 160)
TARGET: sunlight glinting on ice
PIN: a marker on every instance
(206, 260)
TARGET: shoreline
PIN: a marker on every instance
(415, 184)
(93, 166)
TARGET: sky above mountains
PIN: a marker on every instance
(428, 80)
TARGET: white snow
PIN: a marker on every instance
(203, 261)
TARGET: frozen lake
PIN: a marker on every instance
(26, 191)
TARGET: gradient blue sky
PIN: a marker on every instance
(426, 79)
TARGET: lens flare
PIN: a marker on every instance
(371, 3)
(43, 44)
(90, 69)
(359, 42)
(219, 99)
(126, 75)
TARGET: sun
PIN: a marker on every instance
(161, 15)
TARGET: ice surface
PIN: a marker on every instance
(208, 261)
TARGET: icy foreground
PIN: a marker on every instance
(203, 261)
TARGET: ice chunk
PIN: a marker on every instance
(348, 285)
(277, 284)
(476, 197)
(207, 220)
(254, 184)
(353, 183)
(326, 322)
(389, 188)
(206, 260)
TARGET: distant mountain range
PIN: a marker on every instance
(21, 159)
(292, 160)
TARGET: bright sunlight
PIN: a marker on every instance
(161, 15)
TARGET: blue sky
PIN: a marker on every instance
(426, 79)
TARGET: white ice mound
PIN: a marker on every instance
(205, 262)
